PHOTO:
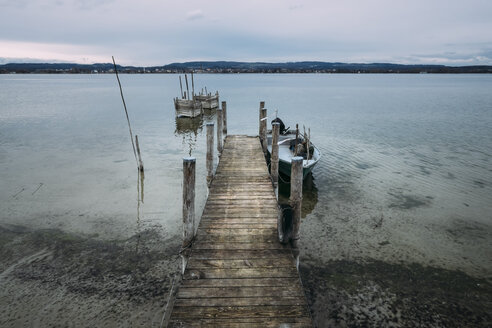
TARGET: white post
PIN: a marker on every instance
(263, 129)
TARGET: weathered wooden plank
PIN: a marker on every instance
(224, 224)
(205, 254)
(257, 282)
(236, 245)
(239, 311)
(238, 264)
(240, 231)
(225, 215)
(241, 301)
(204, 238)
(262, 202)
(240, 210)
(266, 291)
(214, 273)
(243, 323)
(256, 195)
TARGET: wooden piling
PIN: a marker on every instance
(224, 116)
(263, 129)
(210, 151)
(262, 105)
(188, 200)
(192, 86)
(219, 130)
(274, 157)
(187, 88)
(140, 162)
(181, 87)
(295, 199)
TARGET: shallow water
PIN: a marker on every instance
(406, 171)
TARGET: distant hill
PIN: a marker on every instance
(242, 67)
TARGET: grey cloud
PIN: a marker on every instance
(194, 15)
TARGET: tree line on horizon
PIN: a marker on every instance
(240, 67)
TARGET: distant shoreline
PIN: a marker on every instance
(222, 67)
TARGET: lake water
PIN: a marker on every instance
(406, 172)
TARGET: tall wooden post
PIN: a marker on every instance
(181, 87)
(192, 86)
(210, 151)
(263, 129)
(140, 162)
(274, 157)
(187, 88)
(224, 116)
(295, 201)
(219, 130)
(188, 200)
(262, 105)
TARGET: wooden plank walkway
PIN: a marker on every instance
(238, 274)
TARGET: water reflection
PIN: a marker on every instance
(309, 193)
(188, 128)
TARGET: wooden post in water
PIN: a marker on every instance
(140, 162)
(219, 130)
(188, 200)
(224, 116)
(192, 86)
(181, 87)
(263, 129)
(187, 88)
(210, 151)
(295, 201)
(262, 105)
(274, 157)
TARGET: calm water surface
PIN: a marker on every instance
(406, 172)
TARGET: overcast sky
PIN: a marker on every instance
(156, 32)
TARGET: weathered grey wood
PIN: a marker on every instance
(234, 312)
(217, 273)
(246, 282)
(238, 274)
(219, 254)
(140, 162)
(295, 199)
(236, 245)
(224, 116)
(274, 157)
(241, 301)
(244, 322)
(188, 200)
(219, 131)
(262, 105)
(260, 113)
(187, 89)
(265, 291)
(241, 264)
(181, 87)
(263, 129)
(210, 151)
(192, 86)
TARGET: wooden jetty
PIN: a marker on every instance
(238, 274)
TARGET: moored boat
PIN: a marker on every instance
(209, 101)
(187, 107)
(286, 151)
